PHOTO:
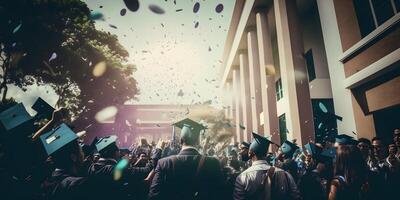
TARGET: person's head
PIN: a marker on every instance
(364, 145)
(350, 164)
(232, 155)
(396, 137)
(378, 148)
(244, 151)
(143, 142)
(111, 151)
(258, 148)
(392, 150)
(189, 137)
(70, 157)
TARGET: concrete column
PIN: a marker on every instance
(342, 98)
(245, 94)
(267, 77)
(293, 71)
(255, 82)
(231, 113)
(238, 113)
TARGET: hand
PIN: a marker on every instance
(160, 144)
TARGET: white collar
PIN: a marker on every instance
(188, 147)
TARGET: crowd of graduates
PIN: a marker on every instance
(54, 162)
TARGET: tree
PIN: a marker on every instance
(55, 42)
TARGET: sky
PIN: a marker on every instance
(177, 60)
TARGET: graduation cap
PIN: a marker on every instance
(189, 127)
(14, 117)
(327, 155)
(57, 138)
(245, 144)
(259, 144)
(288, 148)
(344, 139)
(313, 149)
(43, 109)
(105, 142)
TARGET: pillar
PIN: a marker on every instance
(236, 93)
(245, 94)
(267, 77)
(293, 71)
(255, 82)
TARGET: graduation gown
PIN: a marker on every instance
(248, 185)
(175, 177)
(66, 187)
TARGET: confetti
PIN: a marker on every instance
(16, 29)
(53, 56)
(106, 114)
(132, 5)
(122, 12)
(322, 107)
(99, 69)
(156, 9)
(196, 7)
(96, 15)
(219, 8)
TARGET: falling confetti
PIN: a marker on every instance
(16, 29)
(322, 107)
(96, 15)
(99, 69)
(106, 114)
(122, 12)
(113, 26)
(53, 56)
(132, 5)
(180, 93)
(156, 9)
(196, 25)
(196, 7)
(219, 8)
(178, 10)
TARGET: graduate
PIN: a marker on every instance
(262, 181)
(188, 175)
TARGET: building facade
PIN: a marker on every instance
(309, 69)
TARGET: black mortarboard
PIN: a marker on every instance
(288, 148)
(327, 155)
(57, 138)
(14, 117)
(313, 149)
(189, 127)
(260, 144)
(104, 142)
(245, 144)
(344, 139)
(43, 109)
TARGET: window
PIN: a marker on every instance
(282, 128)
(325, 120)
(310, 65)
(278, 88)
(373, 13)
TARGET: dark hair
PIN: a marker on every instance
(351, 165)
(364, 140)
(376, 138)
(192, 140)
(109, 152)
(62, 158)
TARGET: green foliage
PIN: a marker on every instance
(63, 27)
